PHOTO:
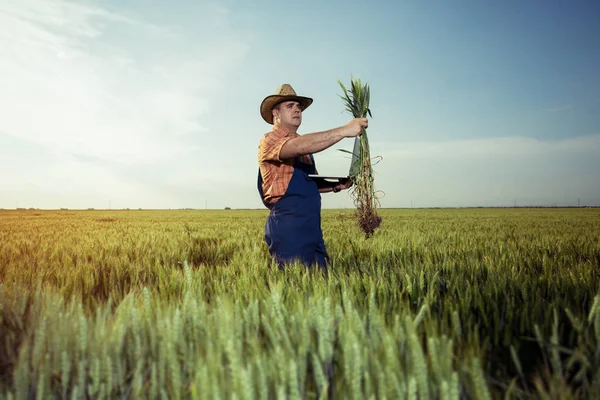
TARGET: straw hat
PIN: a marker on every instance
(283, 93)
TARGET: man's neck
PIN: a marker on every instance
(291, 129)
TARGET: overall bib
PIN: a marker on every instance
(293, 227)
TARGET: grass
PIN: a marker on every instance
(186, 304)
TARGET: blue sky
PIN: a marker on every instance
(155, 105)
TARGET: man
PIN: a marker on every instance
(293, 228)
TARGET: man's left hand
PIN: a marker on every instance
(343, 185)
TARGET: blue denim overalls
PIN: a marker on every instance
(293, 227)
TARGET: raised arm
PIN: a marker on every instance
(315, 142)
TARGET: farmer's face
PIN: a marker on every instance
(289, 114)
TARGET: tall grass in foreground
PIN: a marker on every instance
(483, 303)
(259, 350)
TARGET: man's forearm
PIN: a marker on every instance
(326, 187)
(311, 143)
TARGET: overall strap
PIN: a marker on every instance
(259, 183)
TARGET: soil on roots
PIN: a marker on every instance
(368, 220)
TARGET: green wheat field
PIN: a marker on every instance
(439, 303)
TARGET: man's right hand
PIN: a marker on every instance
(355, 127)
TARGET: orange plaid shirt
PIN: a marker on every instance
(276, 173)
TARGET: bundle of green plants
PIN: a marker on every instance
(356, 100)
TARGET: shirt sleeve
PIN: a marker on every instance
(270, 147)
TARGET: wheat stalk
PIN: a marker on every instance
(356, 100)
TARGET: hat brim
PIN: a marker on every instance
(271, 101)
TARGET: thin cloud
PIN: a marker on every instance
(479, 172)
(100, 106)
(68, 85)
(485, 147)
